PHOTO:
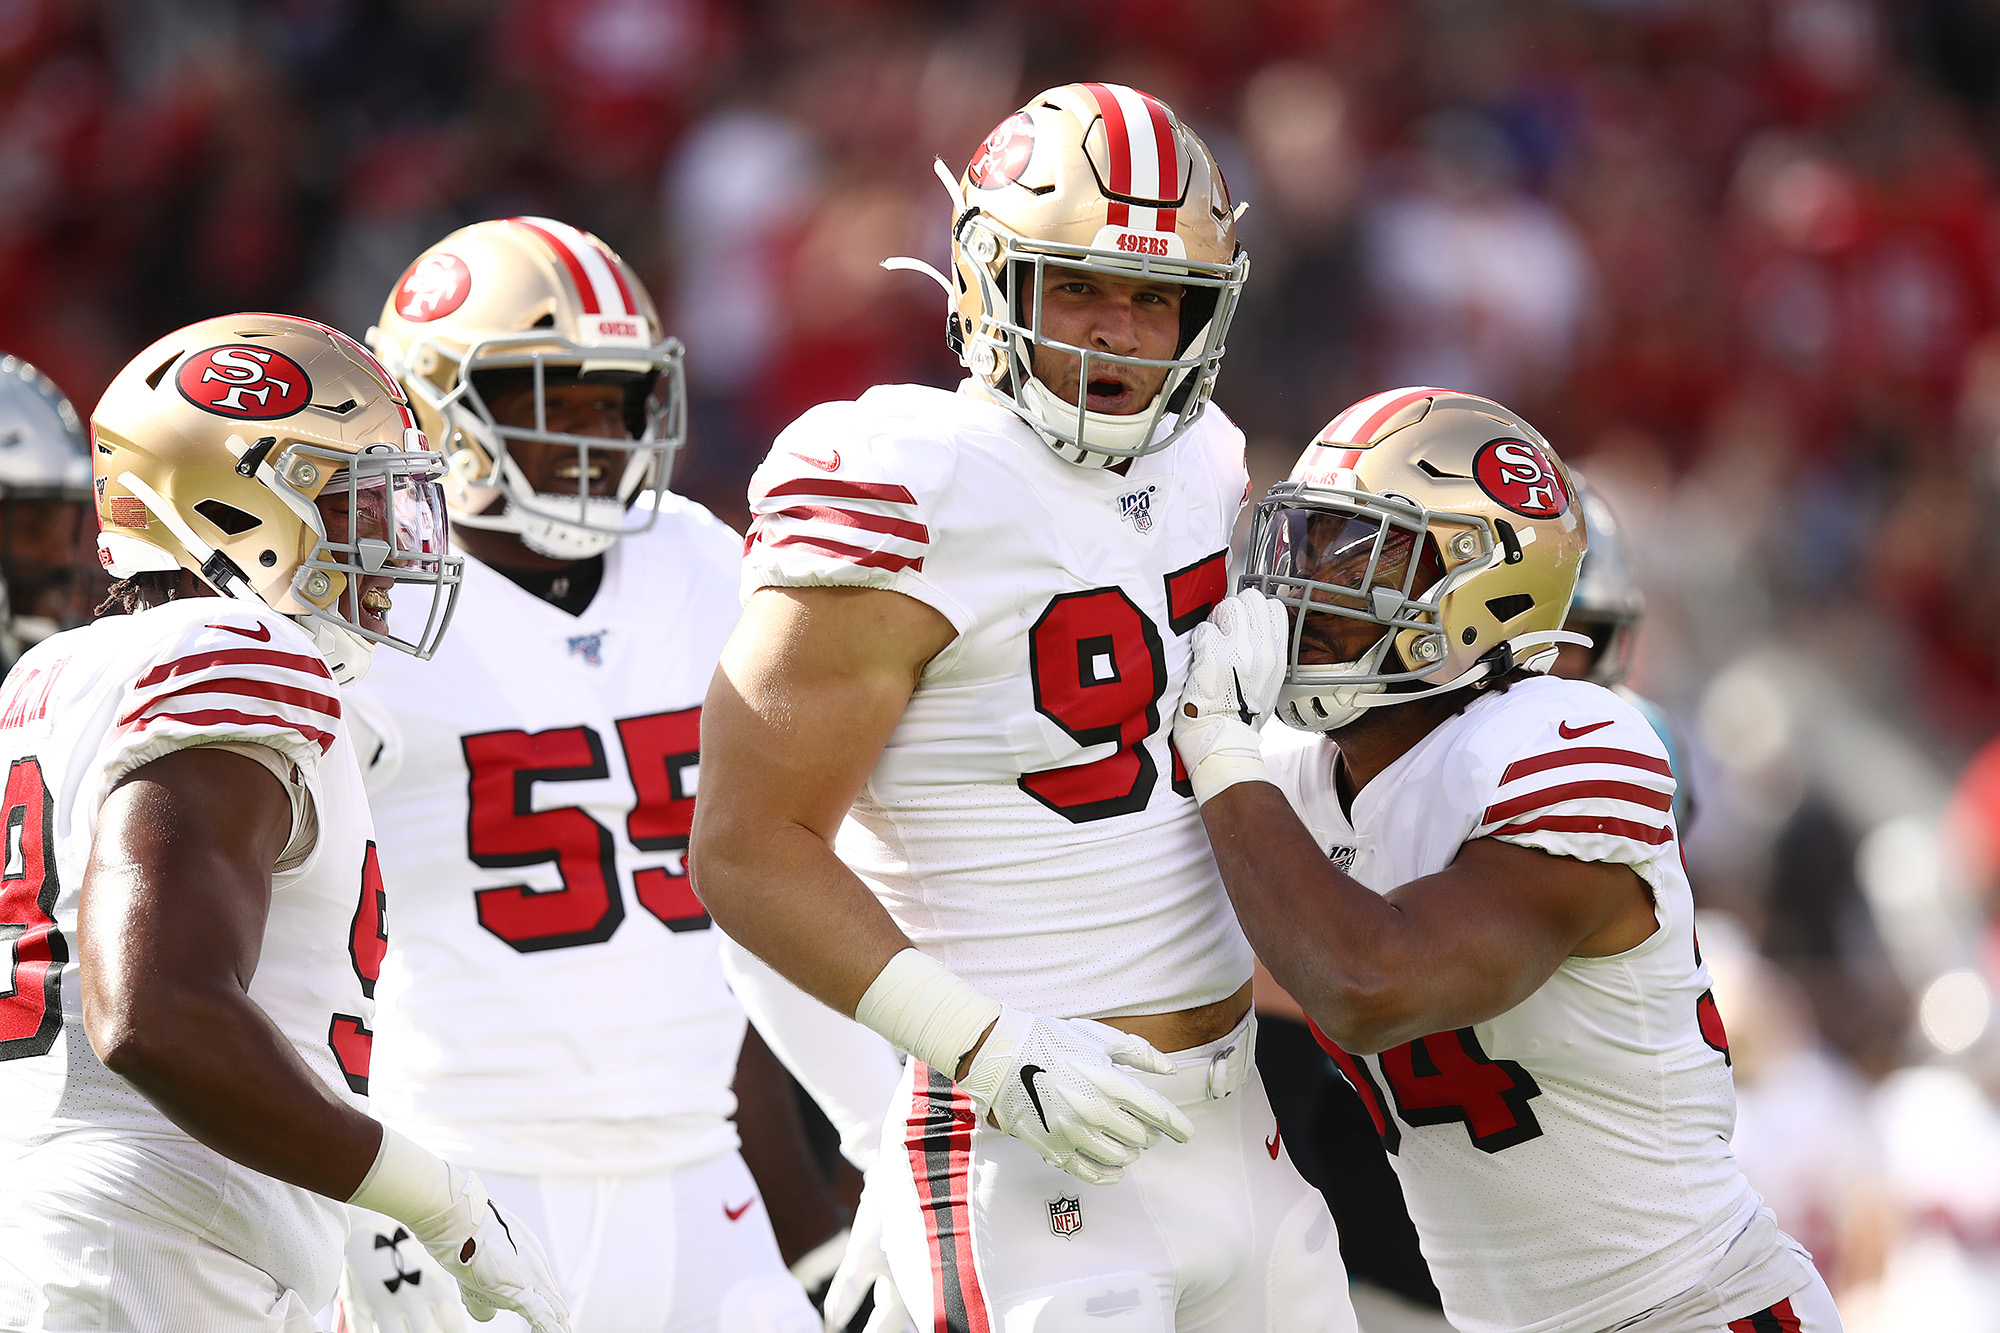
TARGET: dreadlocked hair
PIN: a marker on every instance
(147, 588)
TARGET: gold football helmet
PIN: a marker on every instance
(223, 448)
(541, 299)
(1102, 178)
(1441, 517)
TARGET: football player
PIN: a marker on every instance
(1473, 884)
(937, 789)
(552, 1008)
(191, 897)
(46, 557)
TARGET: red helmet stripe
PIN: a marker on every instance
(1170, 176)
(1118, 139)
(586, 290)
(618, 276)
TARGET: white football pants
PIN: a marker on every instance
(1219, 1234)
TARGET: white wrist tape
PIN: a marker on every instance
(407, 1182)
(922, 1007)
(1221, 771)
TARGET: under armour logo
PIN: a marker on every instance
(590, 647)
(410, 1275)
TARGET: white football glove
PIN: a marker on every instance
(1054, 1084)
(1233, 681)
(497, 1262)
(390, 1284)
(864, 1271)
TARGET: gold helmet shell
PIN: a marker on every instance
(211, 449)
(536, 295)
(1442, 517)
(1102, 178)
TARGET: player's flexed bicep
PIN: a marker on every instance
(809, 689)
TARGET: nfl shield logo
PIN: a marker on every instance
(1138, 507)
(1065, 1216)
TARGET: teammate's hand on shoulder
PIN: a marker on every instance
(1238, 667)
(1055, 1084)
(497, 1261)
(390, 1284)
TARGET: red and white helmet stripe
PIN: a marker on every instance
(599, 283)
(1358, 424)
(1145, 160)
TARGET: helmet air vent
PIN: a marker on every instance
(227, 517)
(1507, 608)
(160, 371)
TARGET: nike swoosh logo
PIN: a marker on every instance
(261, 634)
(1563, 730)
(1271, 1144)
(824, 465)
(733, 1213)
(1242, 704)
(1028, 1073)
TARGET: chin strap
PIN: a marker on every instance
(1492, 666)
(221, 573)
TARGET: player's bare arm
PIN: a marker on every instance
(809, 689)
(1442, 952)
(172, 920)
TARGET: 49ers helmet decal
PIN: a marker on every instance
(537, 298)
(1441, 517)
(1104, 179)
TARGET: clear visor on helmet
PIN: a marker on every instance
(639, 463)
(1351, 573)
(382, 524)
(1012, 329)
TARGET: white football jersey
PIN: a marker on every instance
(553, 1002)
(1567, 1163)
(1027, 824)
(81, 711)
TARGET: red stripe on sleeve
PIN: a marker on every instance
(1619, 828)
(181, 666)
(1521, 768)
(1119, 141)
(1577, 791)
(240, 687)
(1170, 176)
(208, 717)
(844, 490)
(854, 555)
(585, 291)
(848, 518)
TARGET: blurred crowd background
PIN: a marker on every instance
(1739, 259)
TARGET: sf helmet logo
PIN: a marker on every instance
(435, 286)
(1520, 477)
(244, 381)
(1004, 156)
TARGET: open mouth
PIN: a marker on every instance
(1109, 395)
(574, 472)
